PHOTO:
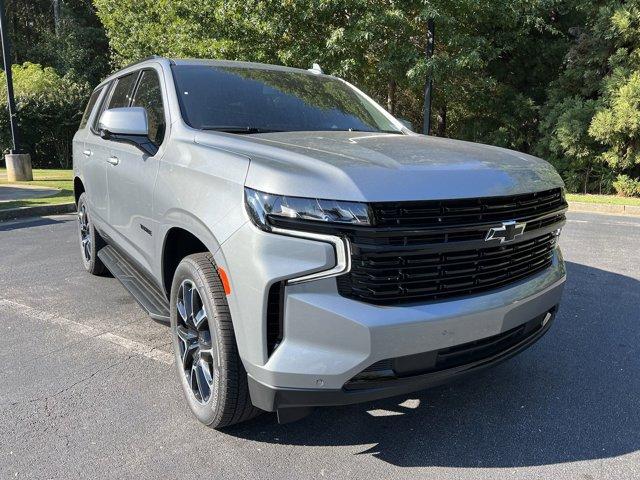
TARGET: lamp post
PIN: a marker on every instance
(429, 83)
(18, 163)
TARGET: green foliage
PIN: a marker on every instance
(591, 121)
(491, 63)
(50, 108)
(627, 186)
(560, 78)
(617, 125)
(77, 44)
(50, 100)
(567, 143)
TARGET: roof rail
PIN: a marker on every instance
(150, 57)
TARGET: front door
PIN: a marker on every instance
(92, 153)
(132, 175)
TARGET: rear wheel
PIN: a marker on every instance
(208, 365)
(90, 240)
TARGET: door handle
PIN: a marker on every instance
(87, 153)
(113, 160)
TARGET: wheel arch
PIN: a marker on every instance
(183, 233)
(78, 188)
(178, 243)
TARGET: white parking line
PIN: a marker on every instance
(87, 331)
(626, 224)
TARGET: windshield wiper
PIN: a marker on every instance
(238, 129)
(398, 132)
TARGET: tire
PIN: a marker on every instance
(90, 240)
(209, 368)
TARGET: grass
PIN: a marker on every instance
(61, 179)
(603, 199)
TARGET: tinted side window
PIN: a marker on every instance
(87, 111)
(149, 96)
(123, 91)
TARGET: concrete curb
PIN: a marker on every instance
(39, 211)
(604, 208)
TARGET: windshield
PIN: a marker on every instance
(255, 100)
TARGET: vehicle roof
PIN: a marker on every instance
(237, 64)
(206, 62)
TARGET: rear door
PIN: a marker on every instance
(132, 179)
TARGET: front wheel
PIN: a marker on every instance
(208, 365)
(90, 240)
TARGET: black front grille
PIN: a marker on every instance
(391, 278)
(436, 249)
(436, 213)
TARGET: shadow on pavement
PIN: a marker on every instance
(573, 396)
(32, 222)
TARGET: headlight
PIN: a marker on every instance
(262, 205)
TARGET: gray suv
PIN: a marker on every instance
(306, 248)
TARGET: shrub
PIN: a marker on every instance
(49, 110)
(627, 186)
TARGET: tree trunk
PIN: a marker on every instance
(441, 118)
(586, 179)
(12, 28)
(601, 180)
(391, 97)
(56, 16)
(428, 86)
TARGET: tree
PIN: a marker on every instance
(489, 82)
(66, 35)
(617, 123)
(591, 121)
(50, 109)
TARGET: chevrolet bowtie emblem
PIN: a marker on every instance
(508, 232)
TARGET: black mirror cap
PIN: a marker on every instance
(143, 142)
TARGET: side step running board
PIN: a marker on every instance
(146, 293)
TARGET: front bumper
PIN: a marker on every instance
(328, 339)
(280, 399)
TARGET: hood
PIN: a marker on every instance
(383, 167)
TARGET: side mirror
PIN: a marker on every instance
(406, 123)
(128, 125)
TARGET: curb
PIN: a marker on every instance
(633, 210)
(39, 211)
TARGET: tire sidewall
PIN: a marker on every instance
(208, 412)
(89, 265)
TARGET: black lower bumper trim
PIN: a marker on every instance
(274, 399)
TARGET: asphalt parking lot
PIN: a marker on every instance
(87, 389)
